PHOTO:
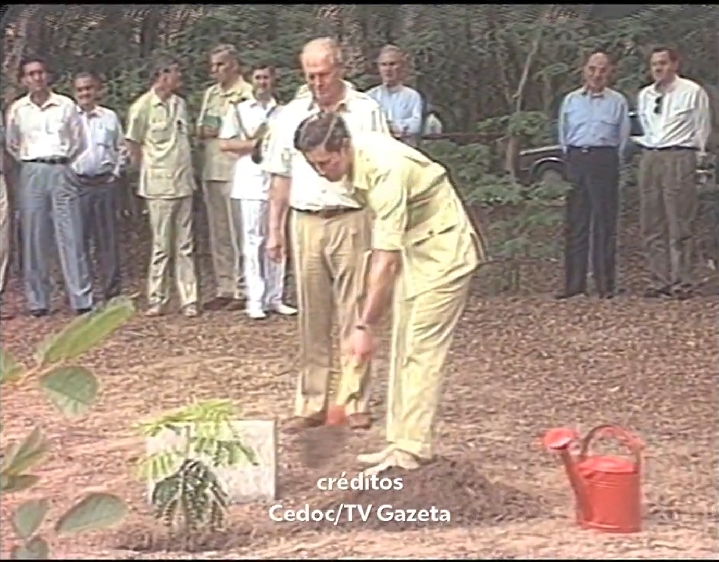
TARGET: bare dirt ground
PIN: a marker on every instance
(521, 364)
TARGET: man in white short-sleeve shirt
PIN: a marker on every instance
(329, 242)
(244, 129)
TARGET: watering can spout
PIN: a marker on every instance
(559, 439)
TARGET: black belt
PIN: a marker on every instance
(95, 177)
(588, 149)
(57, 160)
(329, 212)
(668, 148)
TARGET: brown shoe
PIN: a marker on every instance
(299, 423)
(154, 310)
(359, 420)
(235, 305)
(218, 303)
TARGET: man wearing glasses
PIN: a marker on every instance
(676, 118)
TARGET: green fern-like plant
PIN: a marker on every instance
(192, 497)
(72, 389)
(187, 495)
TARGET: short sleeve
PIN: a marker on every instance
(136, 123)
(278, 159)
(230, 128)
(388, 201)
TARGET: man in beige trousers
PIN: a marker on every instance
(330, 236)
(217, 166)
(158, 136)
(676, 120)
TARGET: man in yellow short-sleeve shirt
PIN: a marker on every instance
(158, 135)
(424, 250)
(217, 174)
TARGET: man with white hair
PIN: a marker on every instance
(401, 104)
(330, 237)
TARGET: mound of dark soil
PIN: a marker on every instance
(443, 493)
(143, 538)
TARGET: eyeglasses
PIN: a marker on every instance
(658, 105)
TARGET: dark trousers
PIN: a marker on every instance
(592, 210)
(98, 202)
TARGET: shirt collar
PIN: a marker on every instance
(668, 90)
(270, 104)
(343, 105)
(392, 89)
(585, 92)
(94, 112)
(237, 87)
(157, 100)
(54, 99)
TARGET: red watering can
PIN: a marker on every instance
(607, 488)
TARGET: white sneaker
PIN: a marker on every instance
(283, 309)
(256, 314)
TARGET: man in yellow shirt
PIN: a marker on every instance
(158, 135)
(217, 167)
(424, 251)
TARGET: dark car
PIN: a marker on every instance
(546, 163)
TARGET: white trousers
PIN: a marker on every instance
(264, 278)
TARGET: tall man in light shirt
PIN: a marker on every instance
(217, 166)
(96, 173)
(402, 105)
(330, 234)
(676, 118)
(158, 136)
(593, 133)
(45, 134)
(243, 132)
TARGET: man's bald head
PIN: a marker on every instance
(322, 48)
(322, 66)
(597, 71)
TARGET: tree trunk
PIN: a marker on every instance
(511, 155)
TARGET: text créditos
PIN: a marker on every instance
(359, 483)
(354, 512)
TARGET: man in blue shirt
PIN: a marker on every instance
(401, 104)
(594, 130)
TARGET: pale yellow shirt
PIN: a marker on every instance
(216, 164)
(53, 130)
(162, 129)
(309, 191)
(416, 211)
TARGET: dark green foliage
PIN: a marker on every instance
(192, 497)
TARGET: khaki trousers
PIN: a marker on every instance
(172, 237)
(422, 331)
(668, 211)
(328, 255)
(223, 238)
(5, 233)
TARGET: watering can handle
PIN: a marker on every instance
(622, 435)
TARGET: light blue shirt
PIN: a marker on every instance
(402, 107)
(593, 120)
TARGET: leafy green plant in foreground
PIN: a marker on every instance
(72, 389)
(187, 494)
